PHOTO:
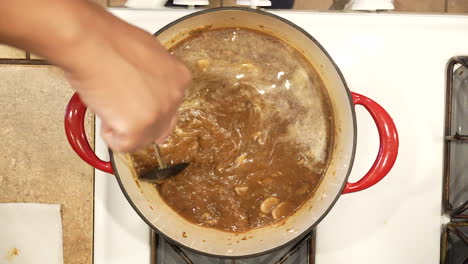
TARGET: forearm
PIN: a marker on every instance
(121, 72)
(53, 29)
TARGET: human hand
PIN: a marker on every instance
(131, 82)
(120, 72)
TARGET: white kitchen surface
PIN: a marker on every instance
(396, 59)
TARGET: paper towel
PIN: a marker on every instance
(30, 233)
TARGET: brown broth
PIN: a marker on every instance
(256, 127)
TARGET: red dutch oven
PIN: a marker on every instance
(145, 199)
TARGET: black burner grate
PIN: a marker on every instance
(456, 136)
(165, 252)
(454, 242)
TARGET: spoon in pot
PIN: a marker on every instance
(163, 171)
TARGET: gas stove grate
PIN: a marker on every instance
(456, 139)
(454, 242)
(166, 252)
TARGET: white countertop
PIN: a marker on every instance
(399, 61)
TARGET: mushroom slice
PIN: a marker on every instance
(282, 210)
(268, 204)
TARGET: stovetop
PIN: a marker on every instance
(397, 60)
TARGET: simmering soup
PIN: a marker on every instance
(256, 127)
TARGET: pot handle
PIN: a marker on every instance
(388, 149)
(76, 135)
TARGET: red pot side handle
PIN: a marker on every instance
(76, 135)
(388, 149)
